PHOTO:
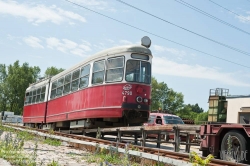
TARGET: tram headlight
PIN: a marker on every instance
(145, 100)
(139, 99)
(146, 42)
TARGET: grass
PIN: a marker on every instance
(52, 142)
(11, 147)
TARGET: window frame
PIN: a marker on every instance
(66, 83)
(76, 79)
(53, 89)
(85, 76)
(140, 72)
(94, 72)
(62, 86)
(107, 69)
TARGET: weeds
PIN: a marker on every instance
(11, 150)
(53, 163)
(198, 161)
(52, 142)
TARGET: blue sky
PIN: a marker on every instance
(61, 34)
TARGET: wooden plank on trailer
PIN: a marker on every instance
(188, 145)
(176, 140)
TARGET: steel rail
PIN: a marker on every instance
(153, 151)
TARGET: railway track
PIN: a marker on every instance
(146, 151)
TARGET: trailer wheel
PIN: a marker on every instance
(234, 149)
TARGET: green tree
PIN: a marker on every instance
(165, 98)
(14, 81)
(201, 117)
(191, 112)
(3, 88)
(51, 71)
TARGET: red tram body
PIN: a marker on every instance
(109, 89)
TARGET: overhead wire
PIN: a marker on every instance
(211, 16)
(197, 34)
(229, 10)
(153, 34)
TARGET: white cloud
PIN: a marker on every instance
(169, 50)
(125, 42)
(68, 46)
(91, 2)
(39, 13)
(244, 19)
(164, 66)
(62, 45)
(33, 42)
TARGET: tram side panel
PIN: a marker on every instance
(86, 103)
(105, 101)
(34, 113)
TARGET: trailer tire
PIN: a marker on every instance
(238, 142)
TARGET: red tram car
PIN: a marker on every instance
(109, 89)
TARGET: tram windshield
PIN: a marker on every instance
(138, 71)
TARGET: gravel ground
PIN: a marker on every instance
(67, 156)
(64, 155)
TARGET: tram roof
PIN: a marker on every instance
(107, 52)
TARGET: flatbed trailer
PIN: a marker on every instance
(226, 141)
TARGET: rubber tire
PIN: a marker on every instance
(242, 141)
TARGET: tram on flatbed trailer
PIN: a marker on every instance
(109, 89)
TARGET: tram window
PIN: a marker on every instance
(53, 90)
(43, 89)
(34, 98)
(42, 97)
(67, 79)
(53, 94)
(74, 85)
(76, 74)
(75, 80)
(133, 71)
(42, 94)
(84, 80)
(38, 91)
(30, 97)
(60, 82)
(54, 85)
(27, 97)
(34, 93)
(145, 72)
(67, 84)
(98, 72)
(38, 98)
(59, 91)
(138, 71)
(115, 67)
(66, 88)
(140, 56)
(85, 71)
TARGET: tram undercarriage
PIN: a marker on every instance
(130, 118)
